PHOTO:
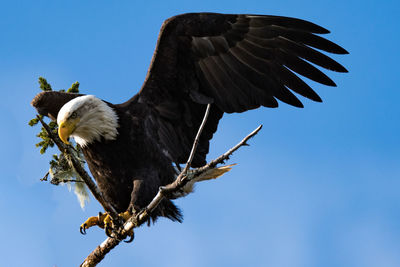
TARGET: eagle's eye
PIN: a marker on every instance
(73, 115)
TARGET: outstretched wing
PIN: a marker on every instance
(237, 62)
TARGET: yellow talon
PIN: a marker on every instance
(92, 221)
(104, 221)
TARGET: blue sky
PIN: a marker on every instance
(318, 186)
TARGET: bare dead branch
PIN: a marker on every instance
(137, 219)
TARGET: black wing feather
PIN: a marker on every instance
(293, 23)
(236, 62)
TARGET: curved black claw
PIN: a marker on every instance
(131, 238)
(108, 230)
(83, 229)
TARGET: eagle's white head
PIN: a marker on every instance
(86, 119)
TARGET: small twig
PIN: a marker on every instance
(226, 155)
(71, 181)
(58, 181)
(45, 177)
(136, 220)
(196, 140)
(67, 150)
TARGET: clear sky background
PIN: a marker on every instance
(318, 186)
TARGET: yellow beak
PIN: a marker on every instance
(66, 128)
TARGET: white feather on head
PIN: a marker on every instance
(96, 119)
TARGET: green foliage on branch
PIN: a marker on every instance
(74, 88)
(46, 141)
(60, 170)
(44, 85)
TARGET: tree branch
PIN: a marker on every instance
(137, 219)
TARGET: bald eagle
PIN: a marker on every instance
(236, 62)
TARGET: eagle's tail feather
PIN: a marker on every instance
(166, 209)
(214, 173)
(207, 175)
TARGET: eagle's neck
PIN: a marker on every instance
(99, 121)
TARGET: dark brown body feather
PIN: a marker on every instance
(236, 62)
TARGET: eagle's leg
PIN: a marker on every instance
(104, 221)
